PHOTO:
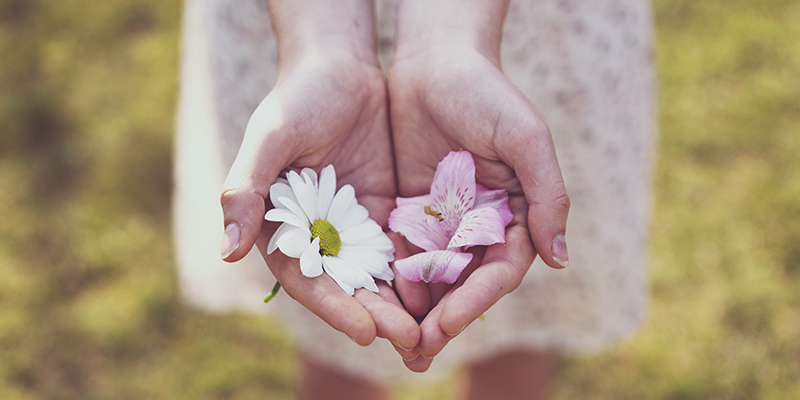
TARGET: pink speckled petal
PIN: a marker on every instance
(453, 188)
(481, 227)
(497, 199)
(419, 228)
(433, 266)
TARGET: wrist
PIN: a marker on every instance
(425, 27)
(321, 27)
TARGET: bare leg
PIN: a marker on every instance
(515, 375)
(318, 381)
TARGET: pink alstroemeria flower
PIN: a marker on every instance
(456, 215)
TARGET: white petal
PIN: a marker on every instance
(310, 176)
(311, 260)
(295, 208)
(352, 276)
(369, 260)
(293, 243)
(382, 244)
(361, 232)
(339, 274)
(341, 202)
(278, 190)
(273, 241)
(283, 215)
(306, 196)
(356, 214)
(327, 189)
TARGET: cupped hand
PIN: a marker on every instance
(450, 97)
(328, 107)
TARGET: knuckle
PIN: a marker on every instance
(561, 200)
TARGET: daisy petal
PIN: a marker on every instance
(347, 277)
(310, 176)
(369, 260)
(481, 227)
(497, 199)
(415, 225)
(290, 205)
(453, 188)
(293, 242)
(327, 189)
(356, 214)
(273, 241)
(306, 195)
(341, 202)
(361, 232)
(382, 244)
(358, 277)
(311, 260)
(433, 266)
(278, 190)
(283, 215)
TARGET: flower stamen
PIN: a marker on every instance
(433, 213)
(329, 241)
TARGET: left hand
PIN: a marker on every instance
(447, 93)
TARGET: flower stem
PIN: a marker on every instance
(274, 291)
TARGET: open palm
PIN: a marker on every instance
(460, 99)
(325, 109)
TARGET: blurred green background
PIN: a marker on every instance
(88, 301)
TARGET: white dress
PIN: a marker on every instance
(587, 65)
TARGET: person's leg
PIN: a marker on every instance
(513, 375)
(318, 381)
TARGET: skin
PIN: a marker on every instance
(327, 107)
(447, 91)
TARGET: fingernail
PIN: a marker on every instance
(427, 358)
(230, 241)
(409, 359)
(559, 250)
(398, 346)
(459, 331)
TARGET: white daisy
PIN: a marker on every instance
(328, 230)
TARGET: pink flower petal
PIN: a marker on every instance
(497, 199)
(419, 228)
(481, 227)
(433, 266)
(418, 200)
(453, 188)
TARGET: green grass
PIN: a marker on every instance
(88, 293)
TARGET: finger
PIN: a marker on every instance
(433, 338)
(414, 295)
(504, 266)
(527, 146)
(322, 296)
(418, 364)
(391, 321)
(262, 156)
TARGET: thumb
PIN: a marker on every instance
(262, 156)
(532, 154)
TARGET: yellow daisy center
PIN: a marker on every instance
(329, 241)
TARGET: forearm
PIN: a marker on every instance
(423, 25)
(309, 25)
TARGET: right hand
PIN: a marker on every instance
(328, 107)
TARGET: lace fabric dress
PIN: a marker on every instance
(587, 65)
